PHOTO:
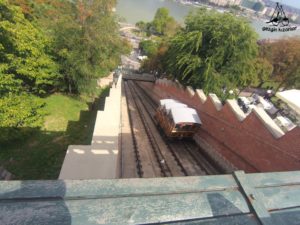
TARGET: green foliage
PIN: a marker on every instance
(59, 45)
(23, 51)
(263, 70)
(8, 84)
(171, 27)
(40, 153)
(141, 25)
(156, 63)
(87, 43)
(160, 20)
(162, 25)
(25, 69)
(212, 51)
(148, 47)
(19, 112)
(83, 39)
(284, 55)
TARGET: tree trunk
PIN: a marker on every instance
(70, 88)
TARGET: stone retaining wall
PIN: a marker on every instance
(253, 142)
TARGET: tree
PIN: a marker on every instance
(263, 70)
(87, 43)
(84, 39)
(148, 47)
(141, 25)
(23, 51)
(171, 27)
(163, 23)
(284, 55)
(62, 44)
(157, 61)
(212, 51)
(160, 20)
(25, 6)
(24, 67)
(19, 112)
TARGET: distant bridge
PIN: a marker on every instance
(127, 26)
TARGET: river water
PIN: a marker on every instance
(135, 10)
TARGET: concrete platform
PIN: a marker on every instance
(100, 159)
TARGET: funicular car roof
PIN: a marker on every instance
(164, 101)
(185, 115)
(168, 104)
(180, 112)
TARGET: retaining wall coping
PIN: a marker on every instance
(190, 91)
(201, 95)
(236, 109)
(216, 101)
(268, 122)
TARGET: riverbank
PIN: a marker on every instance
(135, 10)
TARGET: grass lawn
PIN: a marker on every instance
(68, 121)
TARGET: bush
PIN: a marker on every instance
(18, 113)
(148, 47)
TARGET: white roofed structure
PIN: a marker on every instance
(165, 101)
(180, 112)
(177, 119)
(185, 115)
(292, 98)
(168, 104)
(173, 105)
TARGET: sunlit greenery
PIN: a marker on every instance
(148, 47)
(162, 25)
(52, 46)
(49, 49)
(219, 51)
(40, 152)
(284, 55)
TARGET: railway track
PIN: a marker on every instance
(147, 165)
(165, 170)
(200, 158)
(205, 164)
(139, 168)
(187, 155)
(169, 155)
(170, 158)
(151, 145)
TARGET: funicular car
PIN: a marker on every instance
(176, 119)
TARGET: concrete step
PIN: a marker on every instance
(98, 160)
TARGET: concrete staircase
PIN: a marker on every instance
(100, 159)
